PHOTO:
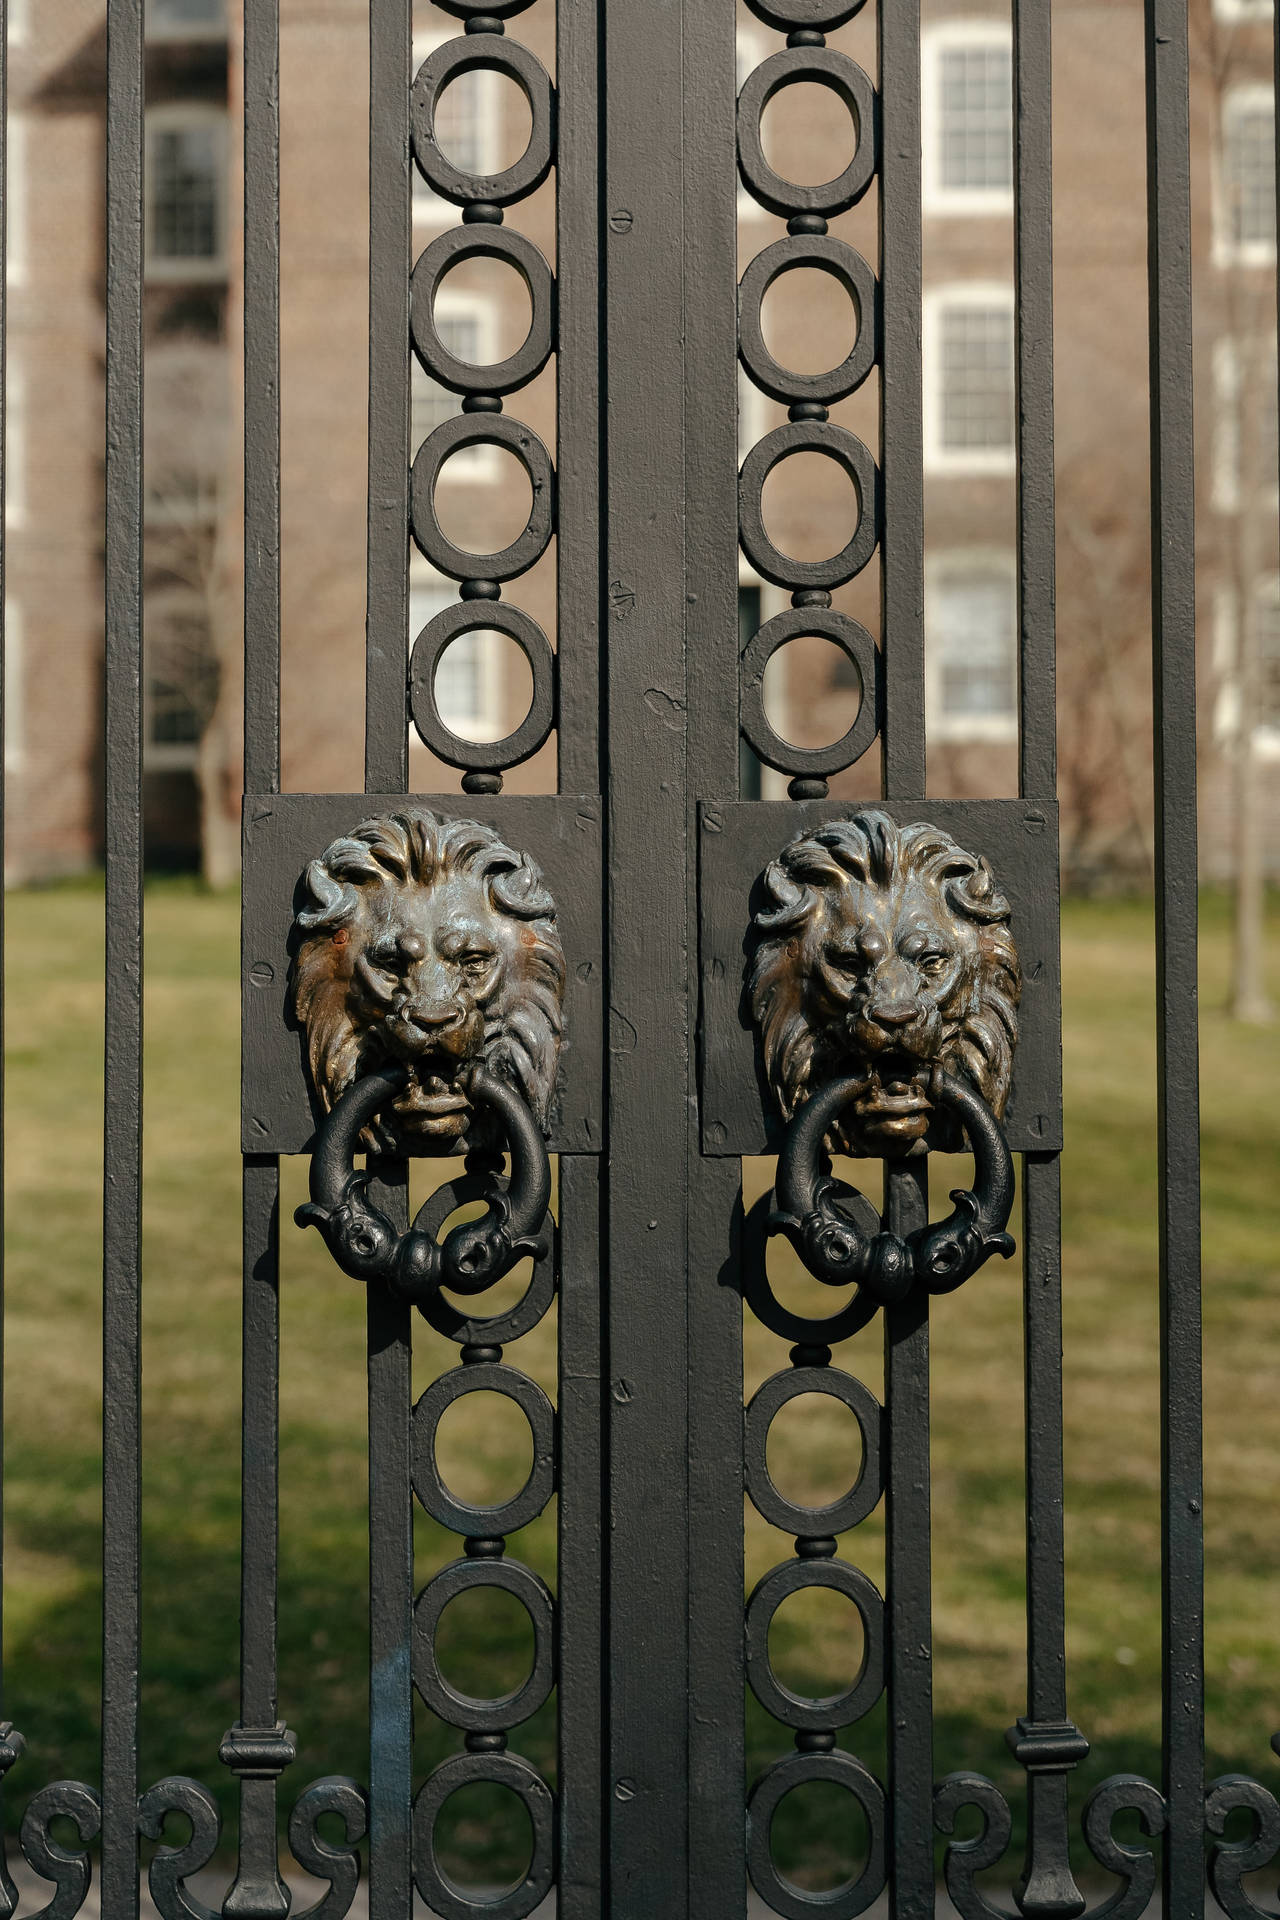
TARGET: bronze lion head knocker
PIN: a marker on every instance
(428, 978)
(884, 984)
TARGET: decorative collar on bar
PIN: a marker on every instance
(884, 983)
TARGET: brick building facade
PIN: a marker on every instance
(54, 508)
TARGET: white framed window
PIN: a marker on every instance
(751, 49)
(13, 684)
(753, 414)
(181, 671)
(971, 651)
(1245, 179)
(468, 676)
(15, 442)
(1263, 609)
(1235, 10)
(466, 128)
(19, 21)
(1246, 427)
(186, 19)
(186, 191)
(467, 326)
(17, 192)
(968, 379)
(966, 104)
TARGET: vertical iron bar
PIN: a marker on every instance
(580, 1583)
(261, 68)
(387, 771)
(901, 407)
(646, 1168)
(717, 1680)
(122, 1153)
(259, 1746)
(577, 398)
(910, 1734)
(1177, 1070)
(1044, 1739)
(908, 1566)
(390, 241)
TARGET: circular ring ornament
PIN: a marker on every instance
(460, 1516)
(764, 1303)
(824, 254)
(794, 1709)
(864, 1495)
(482, 430)
(489, 53)
(483, 1330)
(442, 1895)
(485, 616)
(798, 436)
(781, 1895)
(499, 10)
(822, 67)
(463, 1709)
(780, 14)
(857, 647)
(446, 252)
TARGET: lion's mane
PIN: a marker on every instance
(415, 847)
(869, 849)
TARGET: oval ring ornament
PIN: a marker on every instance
(863, 655)
(449, 250)
(822, 67)
(884, 983)
(853, 457)
(488, 53)
(820, 253)
(482, 616)
(482, 430)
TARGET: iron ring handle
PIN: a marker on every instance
(838, 1252)
(414, 1264)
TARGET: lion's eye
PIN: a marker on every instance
(933, 963)
(475, 963)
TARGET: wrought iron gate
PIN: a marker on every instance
(624, 919)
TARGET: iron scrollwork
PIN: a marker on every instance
(885, 983)
(428, 979)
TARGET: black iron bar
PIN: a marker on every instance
(122, 1163)
(261, 66)
(390, 240)
(259, 1747)
(1177, 1071)
(645, 1246)
(910, 1678)
(901, 405)
(908, 1569)
(577, 365)
(578, 1555)
(387, 771)
(1044, 1739)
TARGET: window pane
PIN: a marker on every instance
(459, 122)
(182, 676)
(184, 179)
(1248, 168)
(170, 14)
(1267, 615)
(972, 627)
(976, 119)
(977, 379)
(460, 335)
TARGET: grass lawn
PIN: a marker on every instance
(191, 1403)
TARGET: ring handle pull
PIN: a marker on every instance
(840, 1253)
(414, 1264)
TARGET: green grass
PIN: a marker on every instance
(191, 1404)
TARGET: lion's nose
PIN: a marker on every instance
(893, 1013)
(433, 1016)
